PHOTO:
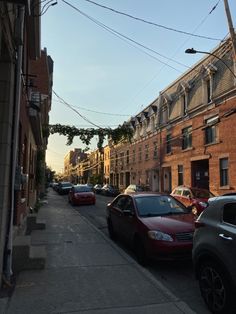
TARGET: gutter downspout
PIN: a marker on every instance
(15, 136)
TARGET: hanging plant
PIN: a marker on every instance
(121, 133)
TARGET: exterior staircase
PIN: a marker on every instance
(26, 256)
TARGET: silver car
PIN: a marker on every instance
(214, 254)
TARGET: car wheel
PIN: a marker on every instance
(215, 288)
(140, 252)
(111, 231)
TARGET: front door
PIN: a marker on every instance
(200, 174)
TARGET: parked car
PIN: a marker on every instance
(81, 195)
(110, 190)
(133, 188)
(90, 185)
(192, 196)
(64, 187)
(214, 254)
(55, 186)
(156, 226)
(97, 188)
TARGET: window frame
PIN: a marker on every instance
(187, 138)
(224, 172)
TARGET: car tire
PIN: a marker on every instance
(140, 252)
(111, 231)
(215, 288)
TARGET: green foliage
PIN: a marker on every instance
(120, 134)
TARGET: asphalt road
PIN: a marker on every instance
(178, 277)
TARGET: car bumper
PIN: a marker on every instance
(163, 250)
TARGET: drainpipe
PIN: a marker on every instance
(19, 42)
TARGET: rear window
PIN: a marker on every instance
(82, 189)
(178, 192)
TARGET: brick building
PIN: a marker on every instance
(23, 114)
(188, 134)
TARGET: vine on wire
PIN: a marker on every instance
(122, 133)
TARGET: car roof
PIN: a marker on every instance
(145, 193)
(190, 187)
(223, 198)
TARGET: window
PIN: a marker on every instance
(187, 138)
(178, 192)
(168, 143)
(184, 102)
(229, 213)
(180, 175)
(140, 153)
(133, 155)
(211, 130)
(146, 152)
(186, 193)
(127, 157)
(155, 150)
(122, 178)
(224, 180)
(208, 90)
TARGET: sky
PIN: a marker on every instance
(110, 66)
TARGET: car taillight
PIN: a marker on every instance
(199, 224)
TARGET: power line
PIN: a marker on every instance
(181, 46)
(153, 23)
(98, 112)
(126, 38)
(69, 106)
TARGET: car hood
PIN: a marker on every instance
(170, 224)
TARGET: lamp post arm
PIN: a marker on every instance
(212, 54)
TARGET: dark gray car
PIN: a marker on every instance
(214, 254)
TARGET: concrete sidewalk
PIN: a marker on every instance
(86, 273)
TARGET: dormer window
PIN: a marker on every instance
(209, 72)
(208, 90)
(183, 91)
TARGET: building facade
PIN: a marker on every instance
(188, 134)
(23, 113)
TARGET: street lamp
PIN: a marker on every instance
(193, 51)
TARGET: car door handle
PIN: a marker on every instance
(225, 237)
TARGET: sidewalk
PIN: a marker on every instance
(86, 273)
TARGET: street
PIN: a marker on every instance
(178, 277)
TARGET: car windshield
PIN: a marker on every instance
(202, 193)
(158, 205)
(81, 189)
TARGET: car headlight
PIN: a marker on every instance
(160, 236)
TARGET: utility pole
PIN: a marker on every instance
(231, 28)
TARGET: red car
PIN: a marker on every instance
(81, 195)
(157, 226)
(190, 196)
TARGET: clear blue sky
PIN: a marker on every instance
(97, 71)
